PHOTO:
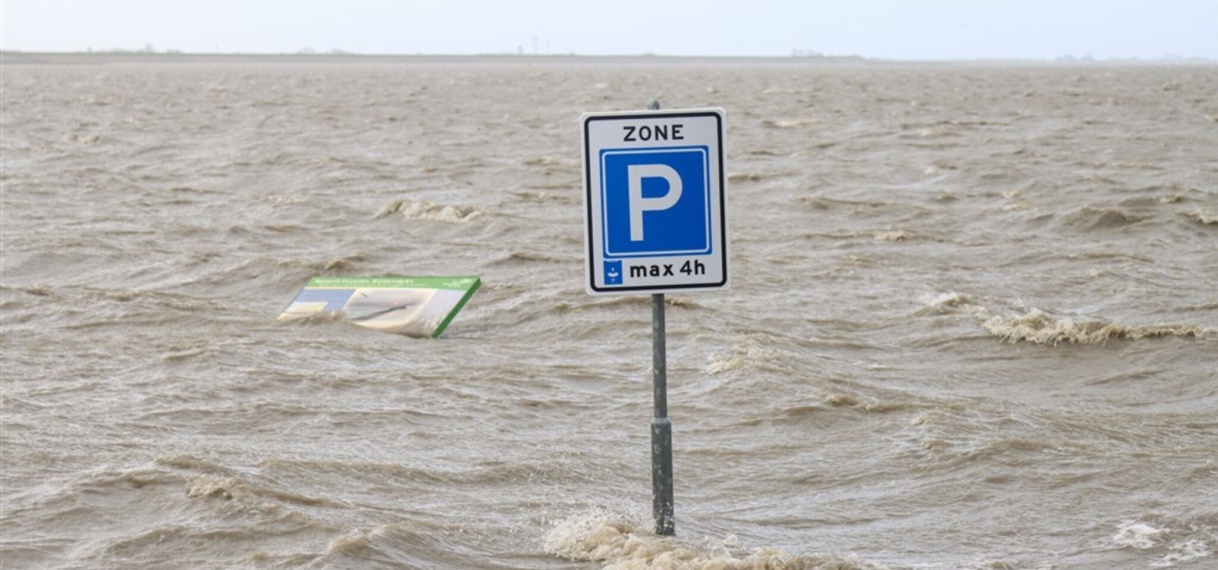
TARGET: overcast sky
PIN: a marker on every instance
(890, 29)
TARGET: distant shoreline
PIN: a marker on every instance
(107, 58)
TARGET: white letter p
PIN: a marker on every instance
(638, 204)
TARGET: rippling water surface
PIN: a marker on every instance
(973, 320)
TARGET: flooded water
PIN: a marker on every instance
(973, 320)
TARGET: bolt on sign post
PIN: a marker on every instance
(656, 217)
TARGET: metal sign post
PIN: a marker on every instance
(661, 426)
(656, 213)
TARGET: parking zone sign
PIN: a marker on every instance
(655, 201)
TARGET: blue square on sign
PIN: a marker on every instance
(613, 272)
(335, 299)
(656, 202)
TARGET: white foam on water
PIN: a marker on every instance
(621, 544)
(1140, 535)
(1185, 551)
(747, 352)
(426, 210)
(943, 302)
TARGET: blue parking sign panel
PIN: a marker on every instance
(656, 202)
(655, 197)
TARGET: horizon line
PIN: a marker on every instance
(797, 55)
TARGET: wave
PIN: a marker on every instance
(611, 539)
(1178, 541)
(635, 302)
(751, 352)
(789, 123)
(1201, 216)
(1039, 327)
(1089, 218)
(741, 358)
(179, 511)
(527, 257)
(825, 203)
(230, 488)
(546, 197)
(1149, 212)
(943, 302)
(425, 210)
(897, 235)
(1138, 535)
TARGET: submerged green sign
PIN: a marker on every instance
(415, 306)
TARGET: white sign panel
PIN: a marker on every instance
(655, 201)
